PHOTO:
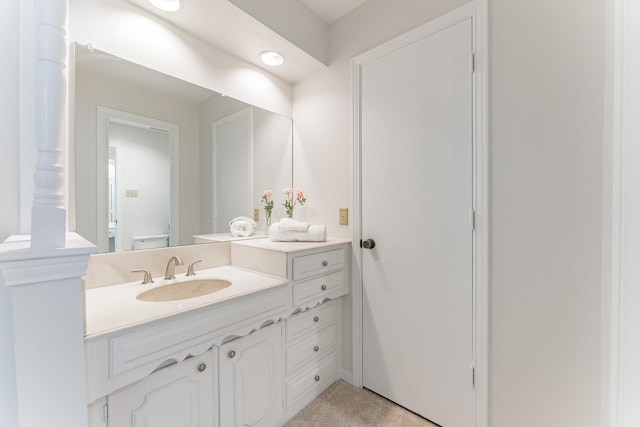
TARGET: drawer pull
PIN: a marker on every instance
(317, 378)
(316, 348)
(325, 263)
(202, 367)
(316, 319)
(323, 287)
(231, 354)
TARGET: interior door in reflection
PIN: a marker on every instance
(139, 183)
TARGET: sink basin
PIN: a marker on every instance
(184, 290)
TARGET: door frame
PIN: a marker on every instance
(477, 11)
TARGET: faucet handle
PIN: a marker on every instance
(147, 276)
(191, 271)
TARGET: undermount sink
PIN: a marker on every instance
(184, 290)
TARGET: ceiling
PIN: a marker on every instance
(222, 24)
(331, 10)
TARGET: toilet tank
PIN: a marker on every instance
(150, 241)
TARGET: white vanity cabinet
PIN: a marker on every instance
(178, 395)
(254, 359)
(311, 335)
(250, 380)
(311, 354)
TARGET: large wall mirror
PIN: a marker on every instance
(158, 160)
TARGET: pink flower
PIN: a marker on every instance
(266, 194)
(287, 190)
(300, 194)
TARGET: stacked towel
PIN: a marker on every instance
(288, 224)
(241, 226)
(313, 233)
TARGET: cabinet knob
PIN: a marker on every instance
(316, 319)
(317, 378)
(202, 367)
(316, 348)
(231, 354)
(323, 287)
(325, 263)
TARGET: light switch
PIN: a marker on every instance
(344, 216)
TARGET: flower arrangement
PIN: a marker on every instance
(268, 205)
(291, 198)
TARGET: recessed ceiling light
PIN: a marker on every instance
(167, 5)
(271, 57)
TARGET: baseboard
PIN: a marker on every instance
(347, 376)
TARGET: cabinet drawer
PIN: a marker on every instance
(312, 349)
(329, 286)
(311, 265)
(317, 318)
(311, 382)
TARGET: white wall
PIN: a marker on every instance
(9, 194)
(546, 106)
(547, 111)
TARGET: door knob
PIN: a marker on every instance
(368, 244)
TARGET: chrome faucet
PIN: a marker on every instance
(171, 265)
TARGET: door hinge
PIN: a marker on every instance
(473, 62)
(473, 220)
(105, 412)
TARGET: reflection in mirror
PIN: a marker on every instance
(159, 160)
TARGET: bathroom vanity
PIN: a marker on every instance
(250, 354)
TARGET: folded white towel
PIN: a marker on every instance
(288, 224)
(241, 226)
(315, 233)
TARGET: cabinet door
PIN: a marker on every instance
(179, 395)
(251, 379)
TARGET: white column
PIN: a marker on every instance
(48, 319)
(48, 221)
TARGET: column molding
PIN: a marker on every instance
(48, 320)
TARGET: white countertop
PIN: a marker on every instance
(112, 308)
(290, 246)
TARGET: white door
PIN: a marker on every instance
(179, 395)
(251, 382)
(416, 148)
(232, 169)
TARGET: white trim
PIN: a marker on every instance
(104, 116)
(625, 288)
(613, 265)
(477, 11)
(346, 376)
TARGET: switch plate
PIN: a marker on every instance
(131, 193)
(344, 216)
(256, 215)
